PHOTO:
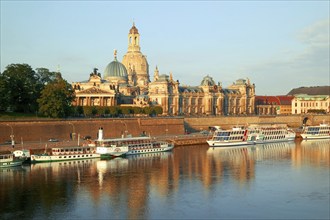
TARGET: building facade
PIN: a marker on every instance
(273, 105)
(302, 104)
(128, 83)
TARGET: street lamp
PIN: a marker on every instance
(12, 135)
(125, 127)
(73, 131)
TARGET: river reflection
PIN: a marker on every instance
(260, 181)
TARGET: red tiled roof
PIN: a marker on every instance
(275, 100)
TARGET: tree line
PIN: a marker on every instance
(43, 92)
(117, 111)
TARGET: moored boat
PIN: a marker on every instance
(9, 160)
(236, 136)
(109, 147)
(23, 154)
(147, 145)
(252, 134)
(271, 134)
(130, 145)
(66, 153)
(321, 131)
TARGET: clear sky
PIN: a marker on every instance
(278, 45)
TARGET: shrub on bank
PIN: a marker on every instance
(116, 111)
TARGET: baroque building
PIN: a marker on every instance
(273, 105)
(128, 83)
(303, 103)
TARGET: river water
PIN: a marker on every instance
(273, 181)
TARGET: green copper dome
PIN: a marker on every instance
(115, 69)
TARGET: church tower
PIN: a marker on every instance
(135, 62)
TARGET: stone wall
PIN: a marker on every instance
(44, 129)
(60, 129)
(294, 121)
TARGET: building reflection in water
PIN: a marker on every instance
(135, 181)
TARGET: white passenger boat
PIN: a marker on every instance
(130, 145)
(109, 147)
(227, 138)
(271, 134)
(321, 131)
(9, 160)
(143, 145)
(66, 153)
(253, 134)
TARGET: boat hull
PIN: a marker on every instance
(274, 140)
(11, 164)
(149, 150)
(106, 152)
(314, 137)
(228, 144)
(50, 158)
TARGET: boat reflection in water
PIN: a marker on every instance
(57, 165)
(50, 170)
(12, 172)
(273, 151)
(125, 165)
(240, 162)
(315, 152)
(114, 166)
(195, 182)
(256, 152)
(320, 144)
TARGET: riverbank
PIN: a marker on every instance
(69, 130)
(40, 147)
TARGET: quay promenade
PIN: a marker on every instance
(40, 147)
(36, 133)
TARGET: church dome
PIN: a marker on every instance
(115, 69)
(207, 81)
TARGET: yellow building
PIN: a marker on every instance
(273, 105)
(310, 104)
(129, 83)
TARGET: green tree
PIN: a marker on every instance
(56, 98)
(107, 111)
(147, 110)
(3, 94)
(114, 111)
(94, 111)
(126, 110)
(20, 87)
(158, 110)
(136, 110)
(45, 76)
(78, 110)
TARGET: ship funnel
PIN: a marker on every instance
(100, 135)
